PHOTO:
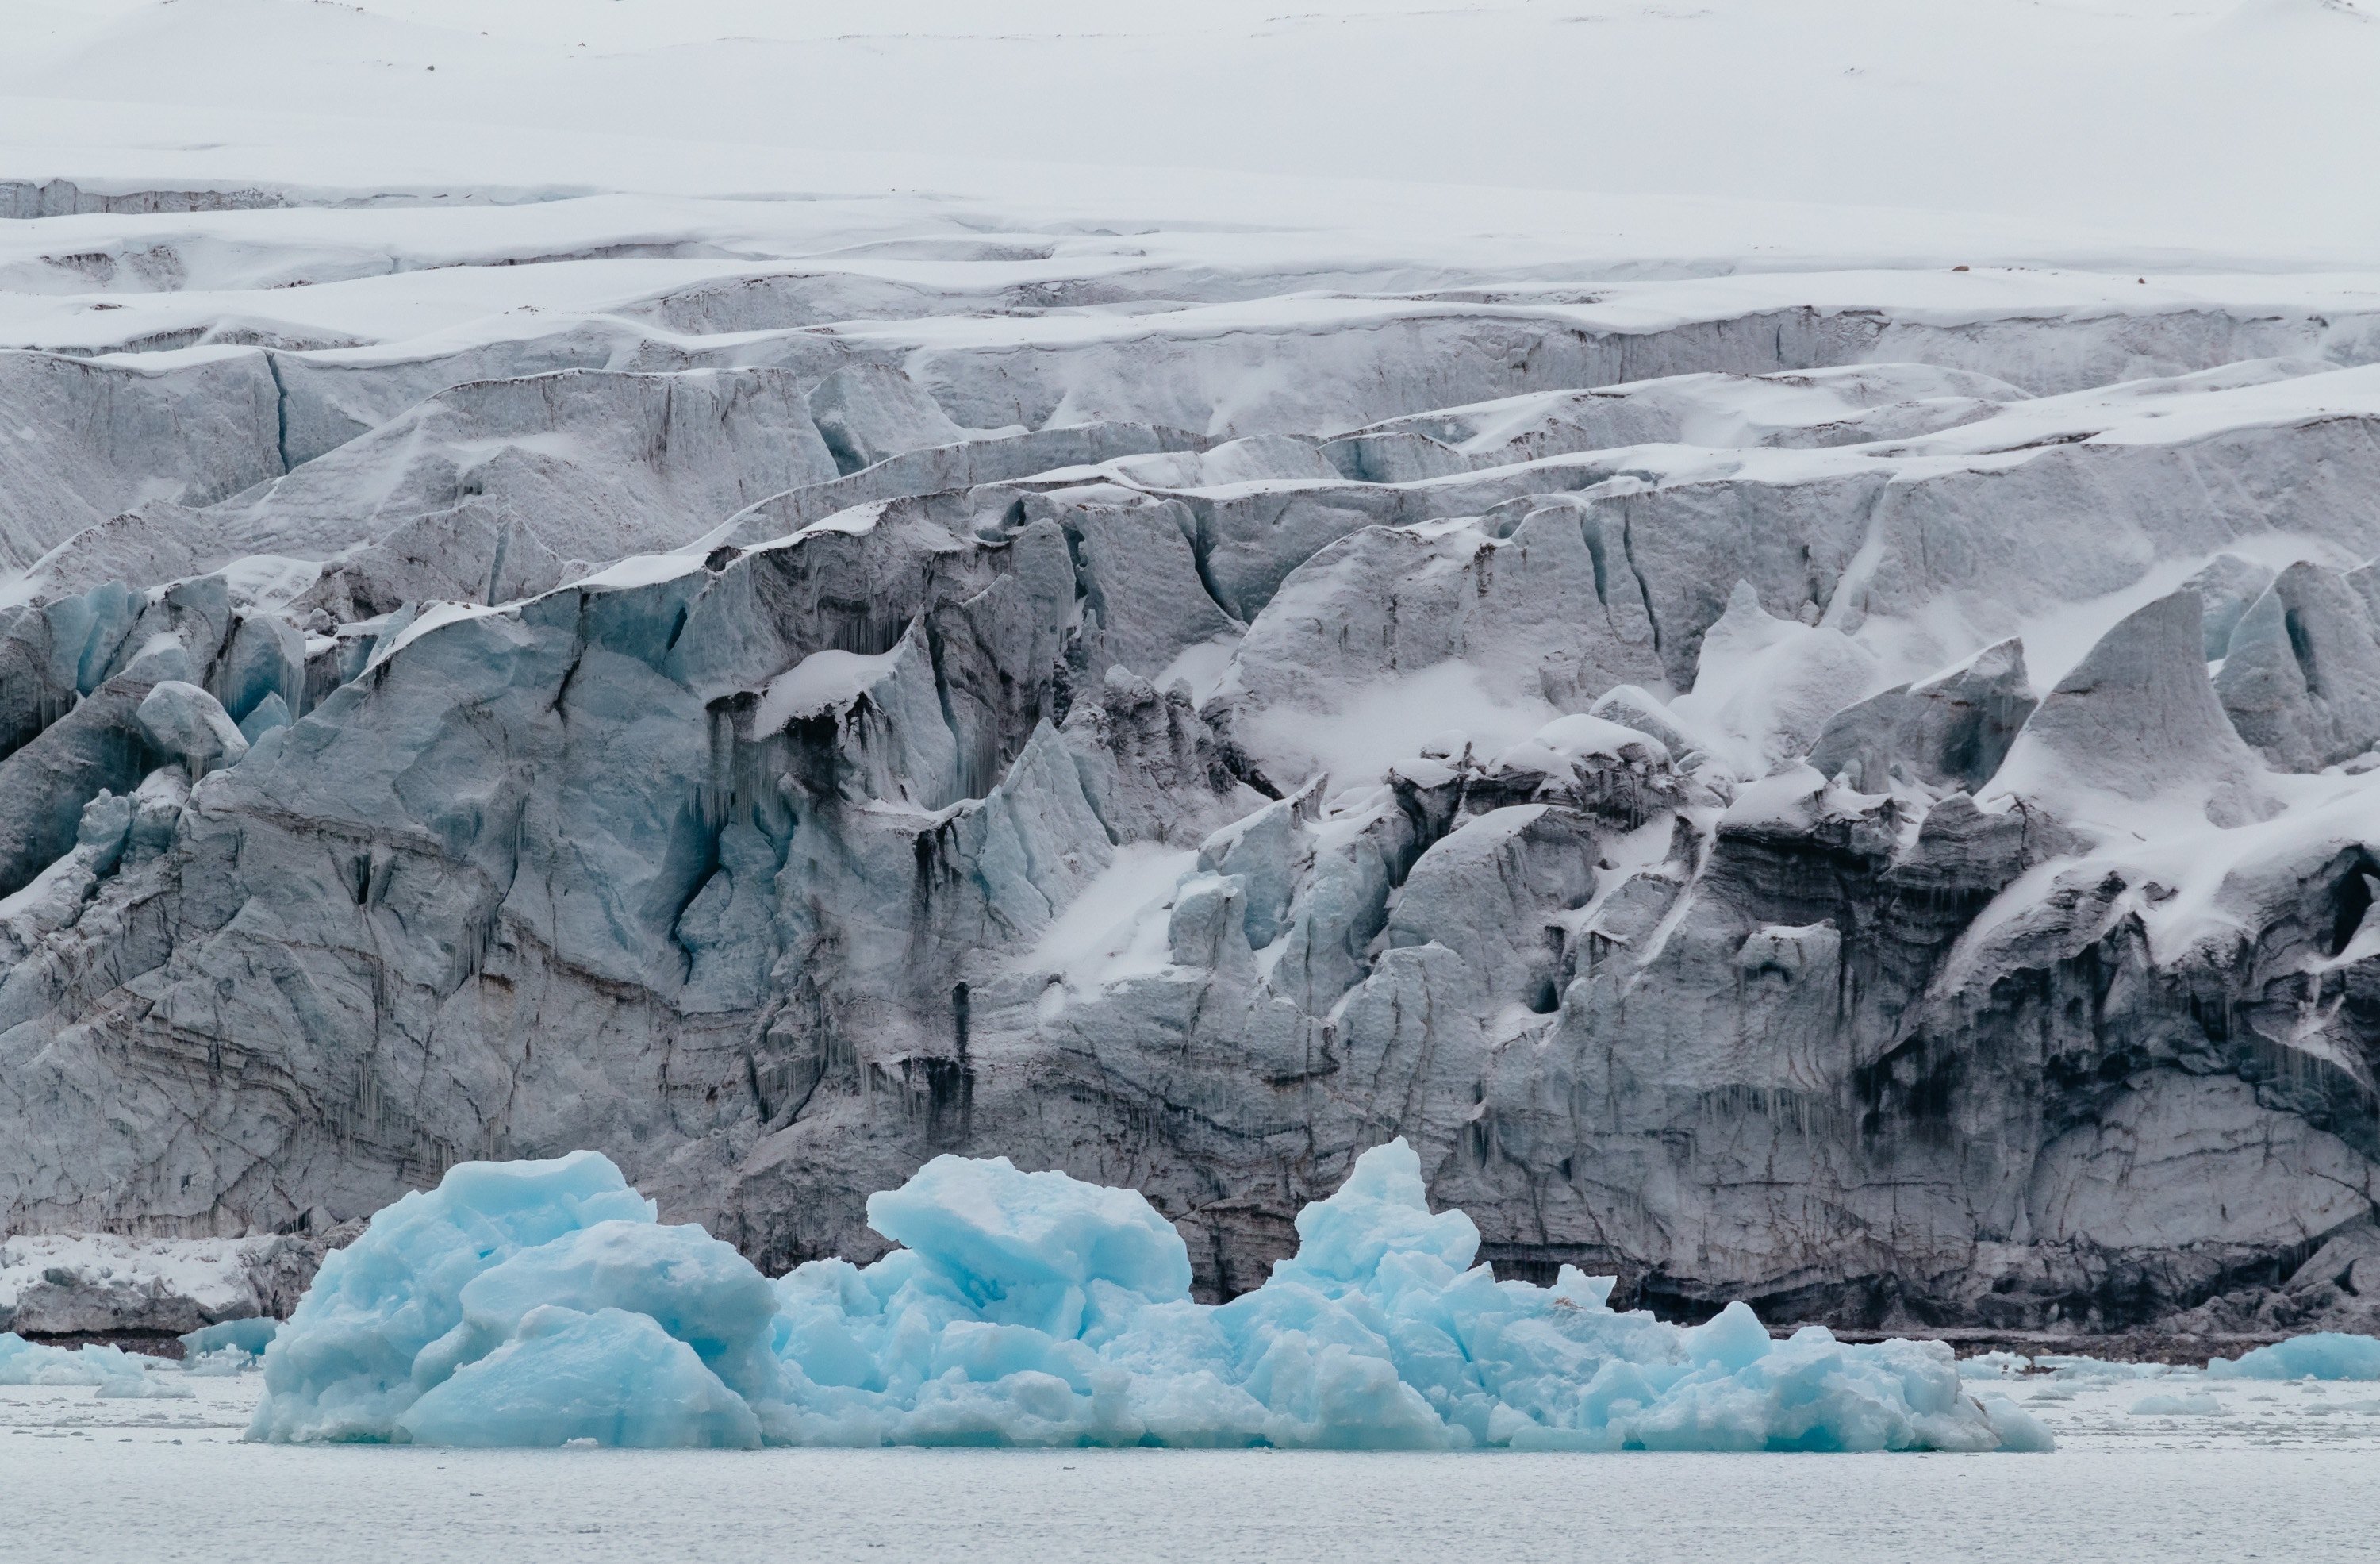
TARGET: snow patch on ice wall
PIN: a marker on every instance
(537, 1302)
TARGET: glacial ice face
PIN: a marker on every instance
(1171, 755)
(1036, 1309)
(59, 1284)
(183, 720)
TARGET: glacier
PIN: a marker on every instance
(1800, 729)
(212, 1289)
(540, 1303)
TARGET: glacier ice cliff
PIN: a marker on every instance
(55, 1284)
(540, 1302)
(1852, 791)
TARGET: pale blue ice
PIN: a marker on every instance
(117, 1374)
(2322, 1356)
(539, 1303)
(249, 1338)
(231, 1348)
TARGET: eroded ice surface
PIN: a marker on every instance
(531, 1303)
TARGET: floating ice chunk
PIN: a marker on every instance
(117, 1374)
(343, 1367)
(612, 1377)
(29, 1362)
(1377, 1333)
(614, 1328)
(2198, 1405)
(540, 1303)
(1381, 1211)
(249, 1338)
(2071, 1366)
(1026, 1248)
(1994, 1365)
(1811, 1393)
(691, 1286)
(129, 1378)
(229, 1348)
(2020, 1432)
(2322, 1355)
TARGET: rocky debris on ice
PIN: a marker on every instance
(2336, 1290)
(538, 1303)
(71, 1283)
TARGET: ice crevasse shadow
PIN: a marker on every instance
(528, 1303)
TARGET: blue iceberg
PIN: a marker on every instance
(30, 1362)
(540, 1302)
(2324, 1354)
(232, 1347)
(613, 1376)
(249, 1338)
(117, 1374)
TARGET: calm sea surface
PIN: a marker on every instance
(2280, 1472)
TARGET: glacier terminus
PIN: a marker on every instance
(1538, 725)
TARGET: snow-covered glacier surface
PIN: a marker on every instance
(1793, 710)
(540, 1303)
